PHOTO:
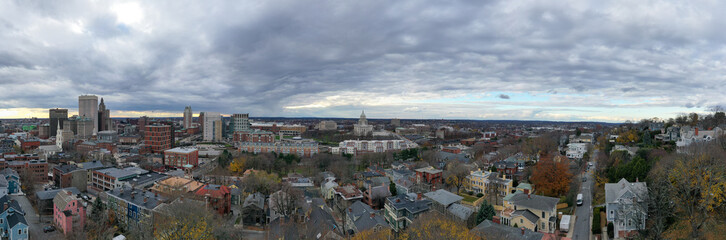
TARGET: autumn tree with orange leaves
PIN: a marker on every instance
(551, 178)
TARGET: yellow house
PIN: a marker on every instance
(539, 211)
(476, 181)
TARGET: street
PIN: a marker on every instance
(584, 212)
(35, 228)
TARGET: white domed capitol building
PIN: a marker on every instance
(362, 128)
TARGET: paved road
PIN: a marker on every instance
(35, 227)
(583, 213)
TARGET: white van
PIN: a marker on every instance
(579, 199)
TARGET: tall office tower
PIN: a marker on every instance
(57, 117)
(141, 124)
(188, 117)
(212, 129)
(88, 107)
(240, 122)
(104, 117)
(201, 121)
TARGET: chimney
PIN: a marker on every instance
(156, 194)
(69, 193)
(529, 196)
(146, 199)
(5, 206)
(696, 131)
(419, 196)
(132, 195)
(523, 231)
(373, 215)
(398, 200)
(350, 210)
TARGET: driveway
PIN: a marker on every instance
(35, 228)
(583, 213)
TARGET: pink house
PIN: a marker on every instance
(68, 212)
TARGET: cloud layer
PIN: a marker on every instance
(564, 60)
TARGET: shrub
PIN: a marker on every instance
(479, 195)
(611, 230)
(471, 193)
(596, 222)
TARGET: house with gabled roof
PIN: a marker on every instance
(68, 212)
(402, 210)
(361, 217)
(534, 212)
(13, 179)
(12, 220)
(626, 206)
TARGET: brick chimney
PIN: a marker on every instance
(373, 215)
(523, 231)
(418, 196)
(529, 196)
(5, 206)
(696, 131)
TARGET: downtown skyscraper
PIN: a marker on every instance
(57, 117)
(188, 114)
(88, 107)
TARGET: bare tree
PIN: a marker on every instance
(286, 201)
(187, 219)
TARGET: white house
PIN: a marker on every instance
(576, 150)
(693, 135)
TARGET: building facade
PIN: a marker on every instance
(188, 117)
(69, 215)
(158, 137)
(300, 147)
(88, 107)
(362, 128)
(180, 156)
(240, 122)
(57, 117)
(104, 118)
(212, 126)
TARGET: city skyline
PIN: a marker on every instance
(498, 60)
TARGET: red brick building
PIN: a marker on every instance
(429, 175)
(454, 150)
(217, 197)
(28, 145)
(158, 137)
(254, 136)
(178, 157)
(37, 168)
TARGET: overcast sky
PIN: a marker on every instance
(541, 60)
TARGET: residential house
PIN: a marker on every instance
(490, 230)
(345, 196)
(45, 199)
(534, 212)
(322, 225)
(253, 210)
(429, 175)
(442, 199)
(476, 181)
(376, 196)
(361, 217)
(12, 220)
(174, 186)
(216, 196)
(135, 209)
(62, 175)
(327, 188)
(402, 210)
(626, 206)
(576, 150)
(13, 180)
(695, 135)
(69, 214)
(3, 187)
(463, 213)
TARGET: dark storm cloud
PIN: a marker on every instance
(277, 58)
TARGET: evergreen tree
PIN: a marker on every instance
(97, 210)
(392, 189)
(486, 212)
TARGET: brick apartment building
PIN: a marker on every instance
(158, 137)
(37, 168)
(180, 156)
(254, 136)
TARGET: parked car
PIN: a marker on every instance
(48, 228)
